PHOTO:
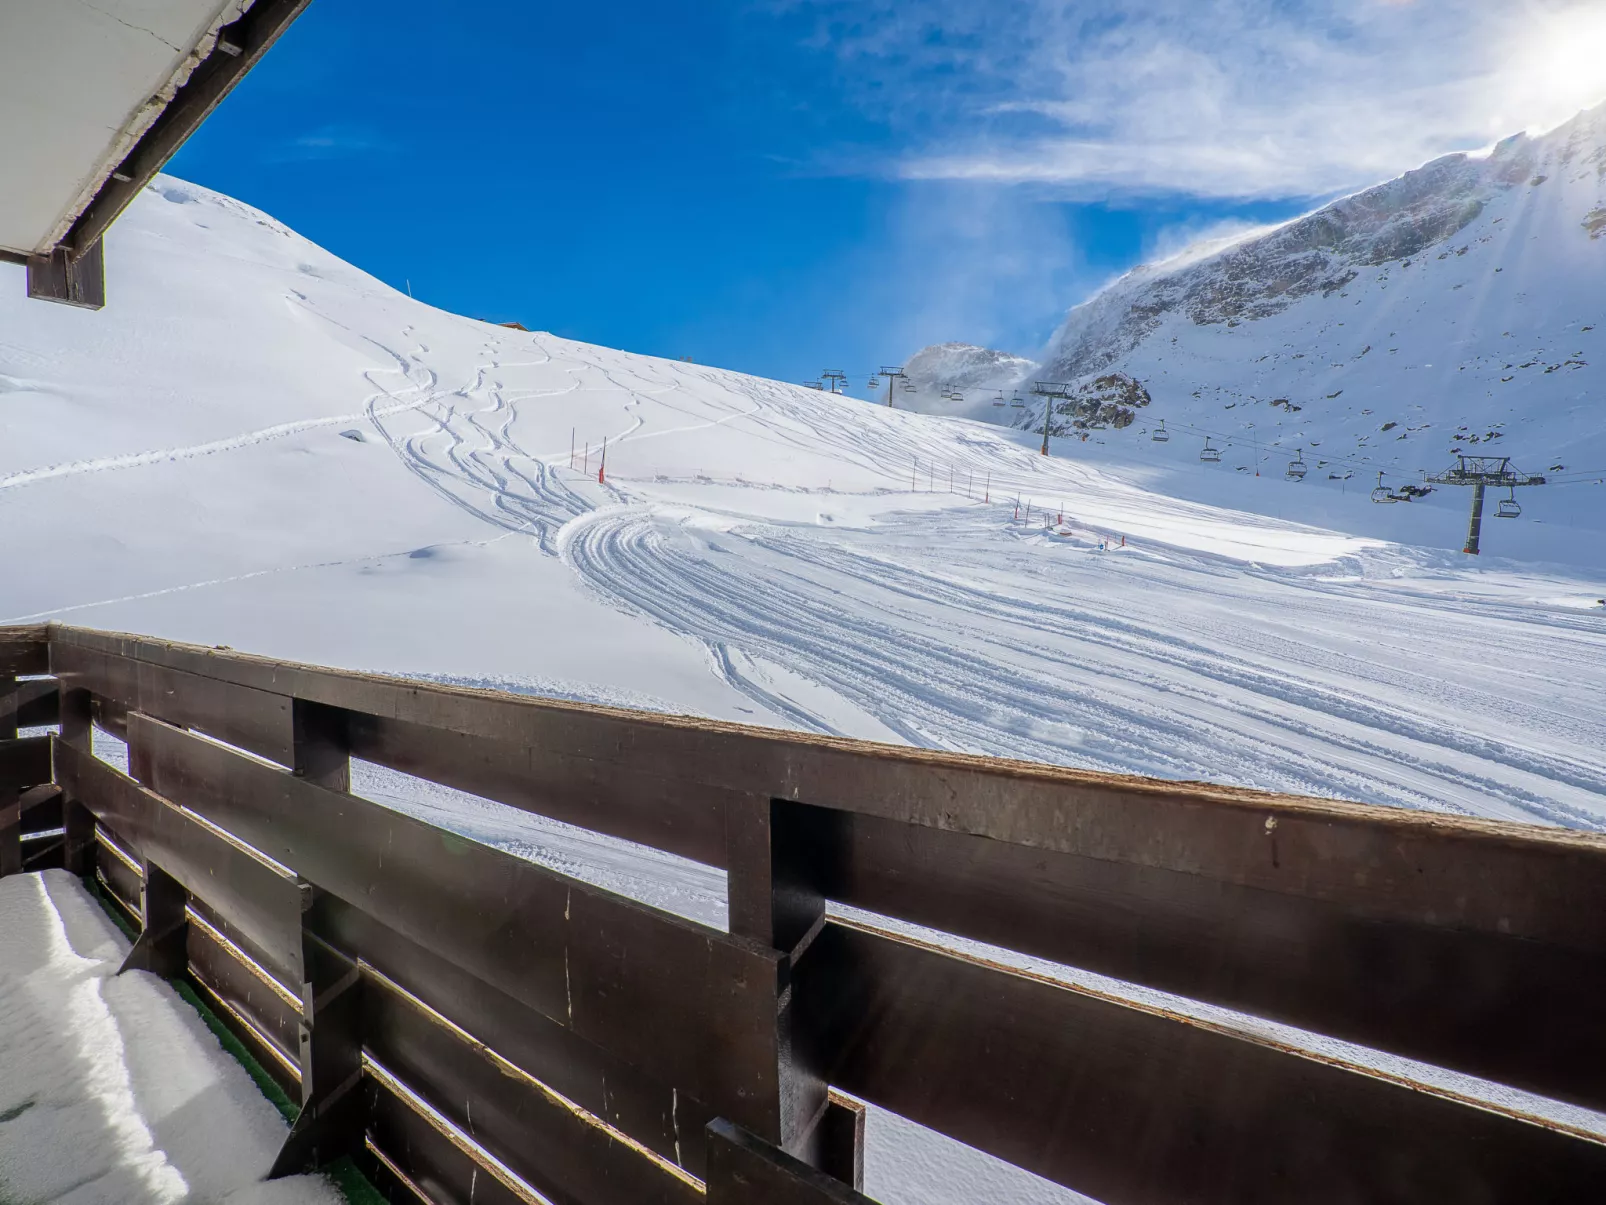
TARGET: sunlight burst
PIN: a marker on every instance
(1562, 70)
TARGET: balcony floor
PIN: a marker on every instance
(113, 1089)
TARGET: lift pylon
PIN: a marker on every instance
(1480, 472)
(1049, 391)
(894, 374)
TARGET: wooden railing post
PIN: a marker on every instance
(165, 926)
(8, 708)
(333, 1114)
(74, 711)
(322, 750)
(774, 855)
(743, 1170)
(10, 809)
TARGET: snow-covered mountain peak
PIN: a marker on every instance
(975, 373)
(1460, 303)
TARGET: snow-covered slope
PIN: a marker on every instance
(1460, 308)
(258, 445)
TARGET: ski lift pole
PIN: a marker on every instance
(1475, 524)
(1049, 391)
(893, 375)
(1479, 472)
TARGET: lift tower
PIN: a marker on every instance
(1049, 391)
(835, 380)
(1479, 472)
(893, 375)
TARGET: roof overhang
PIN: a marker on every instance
(94, 99)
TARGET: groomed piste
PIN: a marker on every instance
(261, 447)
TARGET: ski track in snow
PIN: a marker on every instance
(1166, 662)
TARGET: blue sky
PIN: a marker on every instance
(779, 186)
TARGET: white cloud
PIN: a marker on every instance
(1211, 98)
(955, 261)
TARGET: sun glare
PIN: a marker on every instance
(1563, 69)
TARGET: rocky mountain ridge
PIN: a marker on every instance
(1459, 306)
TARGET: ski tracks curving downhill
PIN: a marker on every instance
(969, 635)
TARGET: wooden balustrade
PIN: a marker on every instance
(465, 1021)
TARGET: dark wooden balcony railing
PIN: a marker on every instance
(455, 1016)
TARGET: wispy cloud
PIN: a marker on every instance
(328, 142)
(1209, 98)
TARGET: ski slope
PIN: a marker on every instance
(258, 445)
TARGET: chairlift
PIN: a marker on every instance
(1380, 494)
(813, 385)
(1296, 466)
(956, 396)
(1161, 435)
(999, 400)
(1018, 402)
(1208, 454)
(1508, 508)
(874, 383)
(908, 386)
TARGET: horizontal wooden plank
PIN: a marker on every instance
(1383, 864)
(1517, 1011)
(667, 1120)
(233, 982)
(24, 763)
(262, 902)
(269, 1057)
(286, 977)
(40, 809)
(118, 878)
(689, 1005)
(745, 1170)
(623, 798)
(1132, 1105)
(550, 1144)
(24, 650)
(252, 719)
(29, 703)
(440, 1160)
(42, 853)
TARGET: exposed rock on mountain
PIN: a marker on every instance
(1463, 303)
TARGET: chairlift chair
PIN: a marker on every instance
(1161, 435)
(956, 396)
(1380, 494)
(1508, 508)
(874, 383)
(999, 400)
(1210, 455)
(1018, 402)
(1296, 466)
(908, 386)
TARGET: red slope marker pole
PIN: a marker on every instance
(602, 465)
